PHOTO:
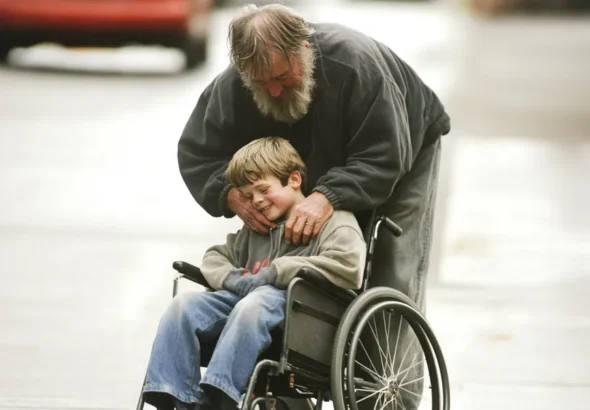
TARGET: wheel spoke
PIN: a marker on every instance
(372, 394)
(396, 375)
(381, 353)
(361, 383)
(371, 372)
(387, 402)
(369, 357)
(378, 400)
(406, 371)
(395, 349)
(411, 392)
(388, 370)
(413, 381)
(367, 390)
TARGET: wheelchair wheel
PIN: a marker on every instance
(386, 357)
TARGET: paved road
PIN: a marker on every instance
(516, 251)
(94, 210)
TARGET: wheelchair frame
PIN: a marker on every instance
(326, 312)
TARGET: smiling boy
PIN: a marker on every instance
(250, 273)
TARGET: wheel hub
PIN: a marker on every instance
(393, 387)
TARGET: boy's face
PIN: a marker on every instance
(270, 197)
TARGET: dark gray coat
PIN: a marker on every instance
(370, 116)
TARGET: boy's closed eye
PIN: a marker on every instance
(247, 195)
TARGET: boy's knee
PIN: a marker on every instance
(184, 302)
(247, 309)
(256, 303)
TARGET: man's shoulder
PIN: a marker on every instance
(226, 85)
(227, 77)
(343, 38)
(351, 55)
(226, 97)
(346, 46)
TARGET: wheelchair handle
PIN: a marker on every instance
(392, 226)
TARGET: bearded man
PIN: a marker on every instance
(366, 126)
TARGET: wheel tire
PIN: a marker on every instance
(195, 51)
(348, 324)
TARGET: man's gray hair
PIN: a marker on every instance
(258, 31)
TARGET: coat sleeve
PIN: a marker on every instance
(208, 141)
(220, 260)
(378, 148)
(340, 259)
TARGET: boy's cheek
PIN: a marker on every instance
(279, 200)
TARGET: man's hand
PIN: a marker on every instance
(307, 218)
(241, 206)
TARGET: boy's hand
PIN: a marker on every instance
(307, 218)
(241, 206)
(246, 284)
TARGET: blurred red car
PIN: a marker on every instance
(182, 24)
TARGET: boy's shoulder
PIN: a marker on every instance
(345, 216)
(340, 219)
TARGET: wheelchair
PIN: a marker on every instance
(342, 345)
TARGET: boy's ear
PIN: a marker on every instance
(295, 180)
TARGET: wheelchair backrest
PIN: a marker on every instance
(370, 221)
(367, 220)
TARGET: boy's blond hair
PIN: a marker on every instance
(264, 157)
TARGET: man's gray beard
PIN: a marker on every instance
(293, 103)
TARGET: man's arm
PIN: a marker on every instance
(205, 147)
(208, 141)
(379, 149)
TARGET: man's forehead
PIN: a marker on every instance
(279, 66)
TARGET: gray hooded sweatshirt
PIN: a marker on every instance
(338, 254)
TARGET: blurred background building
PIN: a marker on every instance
(94, 96)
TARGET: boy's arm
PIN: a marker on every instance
(220, 260)
(341, 259)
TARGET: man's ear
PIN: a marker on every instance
(295, 180)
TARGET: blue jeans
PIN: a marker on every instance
(240, 329)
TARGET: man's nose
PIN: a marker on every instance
(257, 199)
(274, 88)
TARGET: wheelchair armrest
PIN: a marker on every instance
(315, 278)
(191, 273)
